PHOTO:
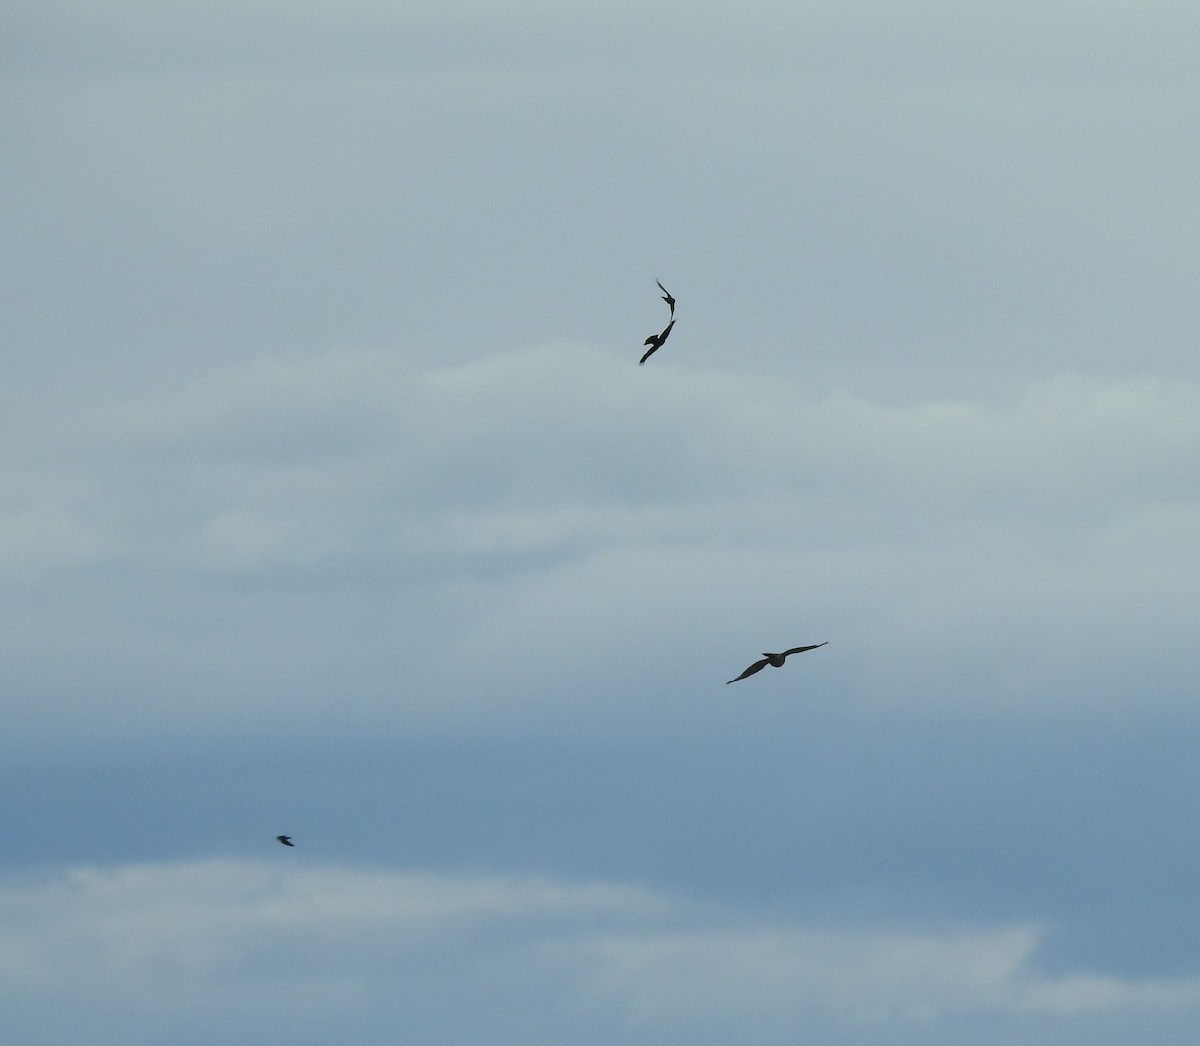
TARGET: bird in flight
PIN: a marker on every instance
(774, 660)
(667, 298)
(655, 341)
(285, 839)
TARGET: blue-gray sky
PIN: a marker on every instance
(333, 502)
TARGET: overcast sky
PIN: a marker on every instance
(333, 502)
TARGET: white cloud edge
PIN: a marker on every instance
(147, 934)
(299, 463)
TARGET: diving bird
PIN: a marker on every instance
(655, 341)
(667, 298)
(774, 660)
(285, 839)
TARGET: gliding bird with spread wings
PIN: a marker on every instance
(774, 660)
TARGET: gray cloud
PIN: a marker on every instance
(565, 520)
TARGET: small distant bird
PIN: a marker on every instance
(774, 660)
(655, 341)
(285, 839)
(667, 298)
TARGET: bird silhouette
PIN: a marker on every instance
(285, 839)
(774, 660)
(667, 298)
(655, 341)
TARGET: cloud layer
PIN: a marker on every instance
(574, 525)
(189, 950)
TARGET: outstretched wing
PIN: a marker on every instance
(649, 352)
(666, 330)
(667, 296)
(758, 666)
(801, 649)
